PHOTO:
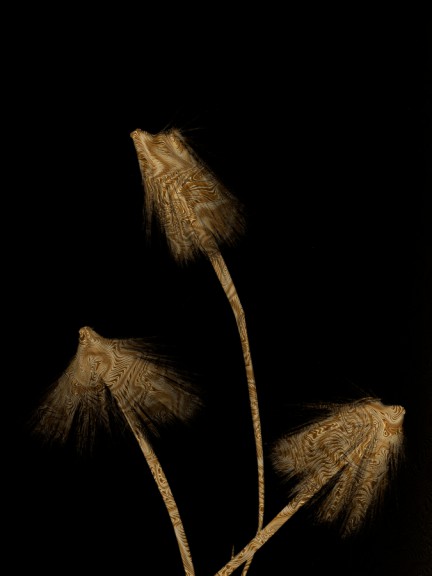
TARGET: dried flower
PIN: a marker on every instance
(353, 451)
(196, 211)
(109, 374)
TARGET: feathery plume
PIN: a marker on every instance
(108, 374)
(355, 448)
(197, 213)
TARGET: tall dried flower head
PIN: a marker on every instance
(352, 452)
(108, 374)
(196, 211)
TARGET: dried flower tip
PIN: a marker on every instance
(108, 374)
(195, 210)
(354, 450)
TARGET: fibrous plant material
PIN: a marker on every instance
(358, 444)
(149, 391)
(197, 214)
(340, 462)
(350, 455)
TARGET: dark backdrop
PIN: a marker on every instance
(321, 127)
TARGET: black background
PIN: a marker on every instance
(321, 126)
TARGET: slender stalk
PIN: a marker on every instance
(168, 498)
(247, 553)
(231, 293)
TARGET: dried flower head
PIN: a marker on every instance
(106, 375)
(196, 211)
(353, 450)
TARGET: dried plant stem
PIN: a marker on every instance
(231, 293)
(168, 498)
(271, 528)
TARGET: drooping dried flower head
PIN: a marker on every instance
(196, 211)
(354, 449)
(108, 374)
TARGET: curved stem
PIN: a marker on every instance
(231, 293)
(168, 498)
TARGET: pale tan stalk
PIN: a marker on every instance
(168, 498)
(247, 553)
(231, 293)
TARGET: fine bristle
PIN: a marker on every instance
(109, 376)
(353, 451)
(195, 210)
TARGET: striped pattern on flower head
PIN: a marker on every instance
(108, 374)
(196, 211)
(354, 449)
